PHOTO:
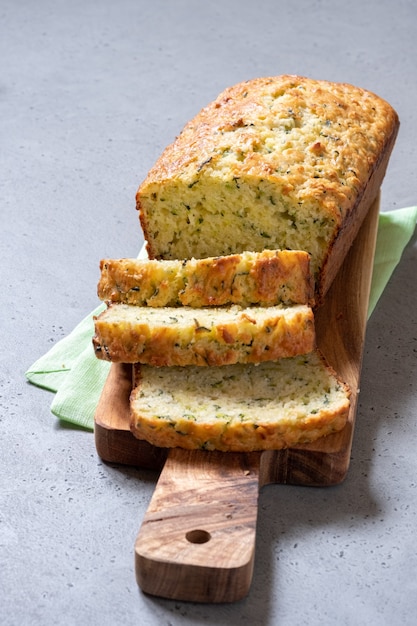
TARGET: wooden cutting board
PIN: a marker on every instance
(197, 540)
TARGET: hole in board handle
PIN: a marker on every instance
(198, 536)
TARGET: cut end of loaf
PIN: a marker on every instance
(220, 215)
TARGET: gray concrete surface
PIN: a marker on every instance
(90, 93)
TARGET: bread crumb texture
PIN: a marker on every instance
(168, 336)
(263, 278)
(275, 163)
(242, 408)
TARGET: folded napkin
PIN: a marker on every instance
(72, 371)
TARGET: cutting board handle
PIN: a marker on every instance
(197, 540)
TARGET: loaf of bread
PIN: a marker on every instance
(263, 278)
(182, 336)
(283, 163)
(273, 405)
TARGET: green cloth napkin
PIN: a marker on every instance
(72, 371)
(395, 230)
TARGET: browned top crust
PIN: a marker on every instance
(265, 278)
(276, 162)
(355, 126)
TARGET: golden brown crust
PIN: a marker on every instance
(140, 282)
(266, 278)
(238, 106)
(351, 225)
(319, 144)
(212, 336)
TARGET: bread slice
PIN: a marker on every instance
(273, 405)
(141, 282)
(208, 336)
(281, 162)
(263, 278)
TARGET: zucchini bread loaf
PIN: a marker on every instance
(273, 405)
(168, 336)
(263, 278)
(282, 163)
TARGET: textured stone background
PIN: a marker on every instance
(90, 93)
